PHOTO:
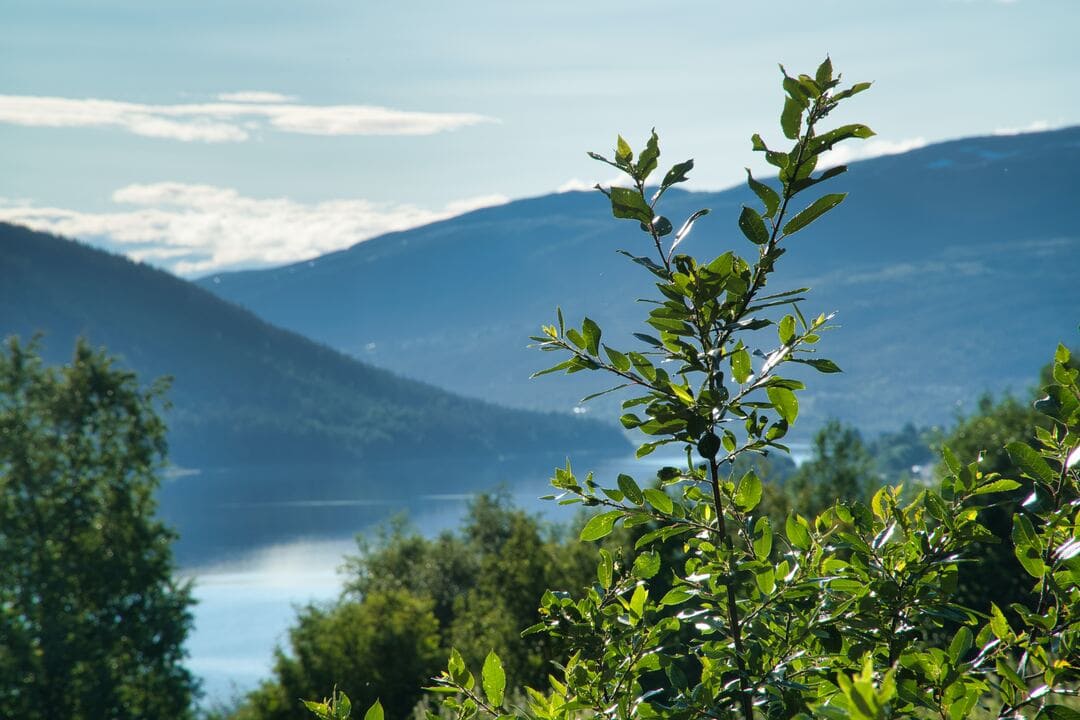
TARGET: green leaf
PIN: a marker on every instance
(998, 624)
(824, 74)
(1005, 672)
(797, 533)
(816, 209)
(766, 194)
(785, 402)
(827, 140)
(675, 596)
(786, 329)
(575, 337)
(996, 486)
(748, 493)
(319, 709)
(762, 538)
(456, 667)
(605, 570)
(1027, 546)
(853, 90)
(629, 204)
(765, 577)
(375, 712)
(493, 679)
(961, 643)
(753, 227)
(659, 500)
(1030, 462)
(1061, 354)
(592, 336)
(618, 360)
(791, 118)
(740, 365)
(600, 526)
(646, 162)
(647, 564)
(630, 489)
(637, 600)
(677, 174)
(822, 365)
(554, 368)
(623, 153)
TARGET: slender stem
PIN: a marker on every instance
(732, 607)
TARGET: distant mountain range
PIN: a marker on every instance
(243, 390)
(955, 269)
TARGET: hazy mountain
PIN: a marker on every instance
(245, 391)
(955, 269)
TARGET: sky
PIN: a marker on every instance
(202, 136)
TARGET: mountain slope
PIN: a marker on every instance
(954, 268)
(243, 390)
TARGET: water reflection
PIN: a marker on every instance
(260, 541)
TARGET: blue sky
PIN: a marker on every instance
(202, 136)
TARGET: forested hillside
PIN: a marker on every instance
(243, 390)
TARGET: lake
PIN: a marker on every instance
(260, 541)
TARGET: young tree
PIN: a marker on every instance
(92, 621)
(834, 616)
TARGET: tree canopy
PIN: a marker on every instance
(92, 618)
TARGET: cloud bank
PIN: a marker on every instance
(230, 120)
(865, 149)
(197, 229)
(1032, 127)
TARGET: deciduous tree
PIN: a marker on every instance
(92, 617)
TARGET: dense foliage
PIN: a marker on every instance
(408, 599)
(92, 621)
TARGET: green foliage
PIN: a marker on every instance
(408, 599)
(839, 615)
(379, 649)
(841, 468)
(92, 620)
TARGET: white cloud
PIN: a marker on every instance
(852, 151)
(255, 96)
(197, 229)
(1035, 126)
(227, 121)
(577, 184)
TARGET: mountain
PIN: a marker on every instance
(244, 391)
(955, 269)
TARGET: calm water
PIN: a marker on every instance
(261, 541)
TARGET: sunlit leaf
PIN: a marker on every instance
(600, 526)
(816, 209)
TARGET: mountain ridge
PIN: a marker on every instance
(243, 389)
(926, 250)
